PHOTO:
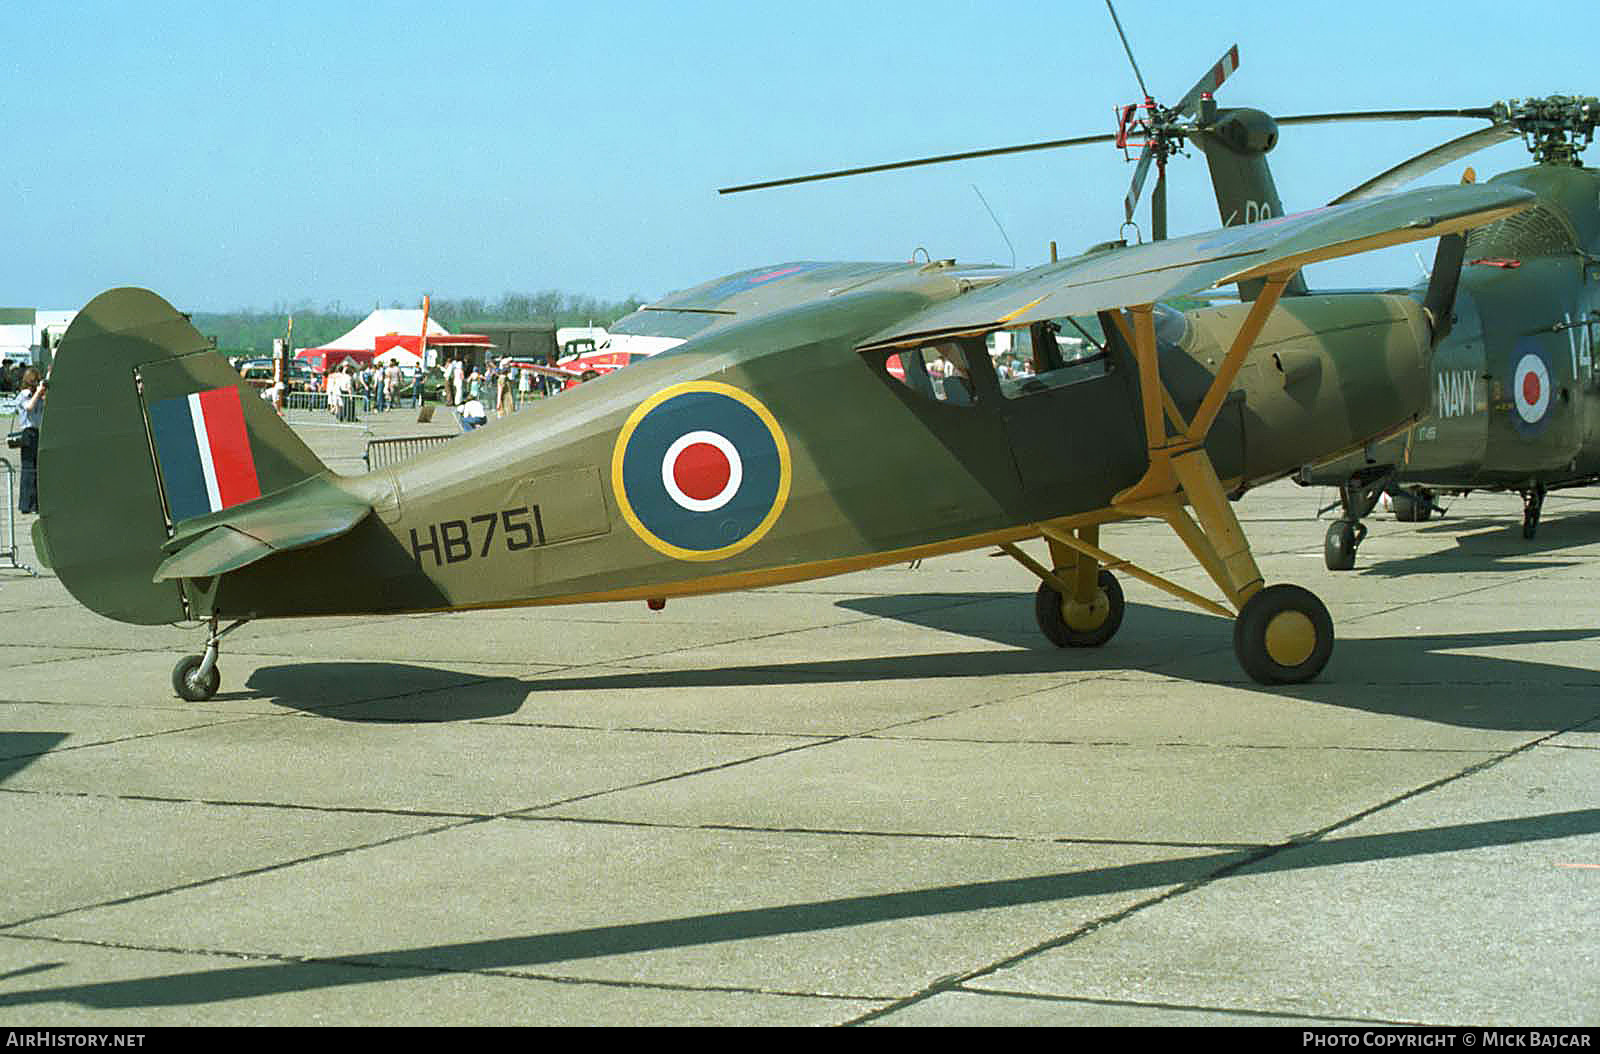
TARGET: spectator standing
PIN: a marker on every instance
(30, 416)
(502, 393)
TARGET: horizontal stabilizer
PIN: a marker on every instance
(1144, 274)
(304, 515)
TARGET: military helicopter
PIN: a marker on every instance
(1515, 402)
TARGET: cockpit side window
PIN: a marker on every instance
(936, 371)
(1047, 355)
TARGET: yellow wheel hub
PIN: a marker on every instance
(1291, 638)
(1086, 617)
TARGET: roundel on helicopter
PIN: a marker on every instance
(1530, 387)
(701, 471)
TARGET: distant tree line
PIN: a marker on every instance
(252, 331)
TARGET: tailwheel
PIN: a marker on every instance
(1283, 635)
(1072, 624)
(196, 677)
(190, 684)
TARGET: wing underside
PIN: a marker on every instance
(1145, 274)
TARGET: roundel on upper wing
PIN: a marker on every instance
(701, 471)
(1531, 387)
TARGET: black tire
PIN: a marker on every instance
(190, 689)
(1405, 506)
(1284, 635)
(1339, 546)
(1412, 505)
(1047, 609)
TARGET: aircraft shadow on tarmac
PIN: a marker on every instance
(526, 954)
(388, 692)
(18, 750)
(1490, 543)
(1419, 675)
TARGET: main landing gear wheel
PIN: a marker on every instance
(189, 685)
(1532, 504)
(1283, 635)
(1412, 505)
(1340, 544)
(1072, 625)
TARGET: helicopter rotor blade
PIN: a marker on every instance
(1189, 105)
(1440, 300)
(1428, 161)
(1140, 172)
(1125, 47)
(1158, 204)
(1053, 144)
(1486, 113)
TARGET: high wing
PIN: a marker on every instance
(307, 514)
(1144, 274)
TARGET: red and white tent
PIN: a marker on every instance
(381, 331)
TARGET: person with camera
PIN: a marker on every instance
(30, 414)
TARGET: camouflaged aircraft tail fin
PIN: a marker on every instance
(147, 427)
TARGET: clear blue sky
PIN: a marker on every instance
(247, 155)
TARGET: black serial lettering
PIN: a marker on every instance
(456, 546)
(433, 543)
(450, 542)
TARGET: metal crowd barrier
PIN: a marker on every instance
(319, 401)
(382, 453)
(8, 543)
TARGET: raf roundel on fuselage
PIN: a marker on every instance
(701, 471)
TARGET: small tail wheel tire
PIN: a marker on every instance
(1284, 635)
(1070, 625)
(191, 687)
(1339, 546)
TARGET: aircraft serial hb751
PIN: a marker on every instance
(819, 418)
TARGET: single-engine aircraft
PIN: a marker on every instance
(776, 444)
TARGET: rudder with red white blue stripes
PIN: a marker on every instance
(204, 452)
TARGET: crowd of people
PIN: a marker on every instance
(496, 390)
(502, 386)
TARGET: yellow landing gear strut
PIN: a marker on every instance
(1283, 633)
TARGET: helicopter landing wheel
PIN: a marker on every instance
(1532, 505)
(1340, 544)
(1283, 635)
(188, 683)
(1073, 625)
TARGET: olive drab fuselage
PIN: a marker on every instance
(841, 463)
(1514, 389)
